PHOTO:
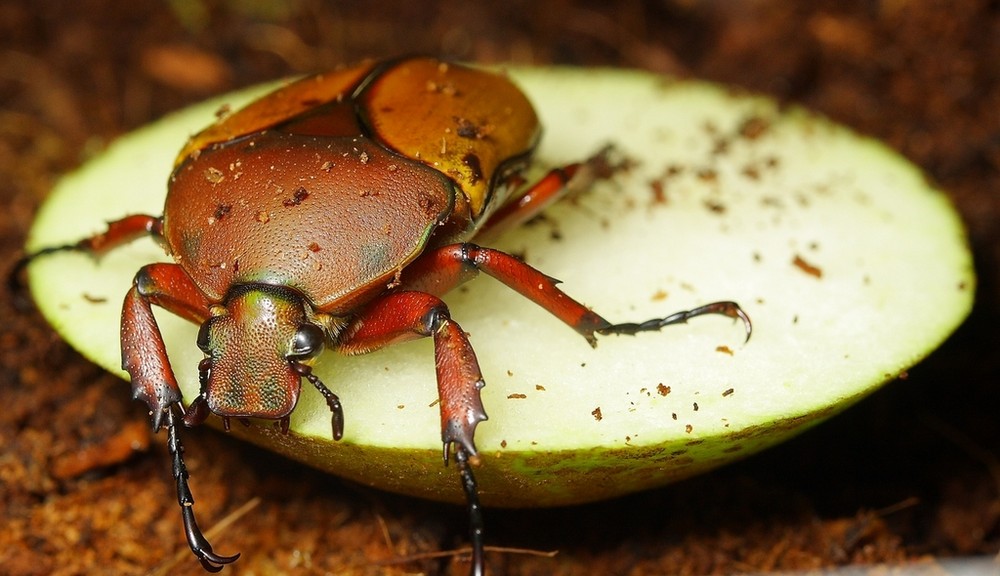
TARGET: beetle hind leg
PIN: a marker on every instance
(199, 545)
(442, 269)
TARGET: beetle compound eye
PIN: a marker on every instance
(308, 342)
(203, 336)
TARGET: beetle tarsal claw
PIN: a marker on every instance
(199, 545)
(726, 308)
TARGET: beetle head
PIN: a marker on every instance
(258, 346)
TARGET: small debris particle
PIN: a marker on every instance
(695, 406)
(720, 147)
(314, 247)
(688, 428)
(715, 206)
(400, 406)
(466, 129)
(94, 299)
(445, 88)
(708, 175)
(298, 196)
(516, 396)
(724, 349)
(510, 373)
(904, 375)
(214, 175)
(728, 392)
(754, 127)
(475, 166)
(662, 390)
(539, 388)
(659, 191)
(263, 217)
(363, 157)
(328, 165)
(806, 267)
(673, 415)
(503, 443)
(597, 414)
(659, 295)
(221, 211)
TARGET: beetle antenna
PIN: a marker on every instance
(476, 523)
(210, 561)
(730, 309)
(331, 399)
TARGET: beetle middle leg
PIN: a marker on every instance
(407, 315)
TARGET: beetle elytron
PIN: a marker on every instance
(337, 211)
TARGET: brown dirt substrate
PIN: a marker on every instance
(910, 473)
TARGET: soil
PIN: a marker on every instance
(910, 474)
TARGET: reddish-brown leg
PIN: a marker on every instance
(550, 188)
(407, 315)
(119, 232)
(444, 268)
(144, 356)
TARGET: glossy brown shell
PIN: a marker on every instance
(334, 183)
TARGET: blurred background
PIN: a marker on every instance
(910, 473)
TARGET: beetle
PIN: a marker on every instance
(336, 212)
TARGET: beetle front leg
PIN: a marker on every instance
(408, 315)
(144, 357)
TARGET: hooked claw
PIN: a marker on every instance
(726, 308)
(199, 545)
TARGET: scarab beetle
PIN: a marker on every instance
(336, 212)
